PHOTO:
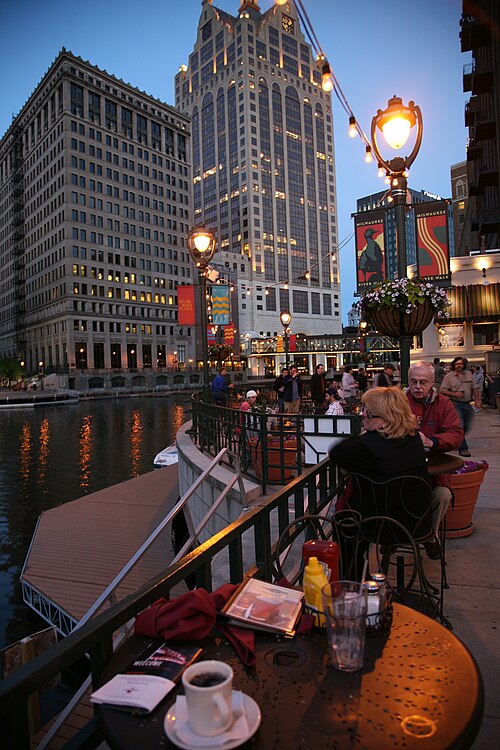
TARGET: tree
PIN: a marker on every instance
(10, 370)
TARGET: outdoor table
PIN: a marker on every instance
(443, 463)
(419, 688)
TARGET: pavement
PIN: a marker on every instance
(472, 602)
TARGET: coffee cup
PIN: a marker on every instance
(208, 686)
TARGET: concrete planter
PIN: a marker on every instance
(466, 490)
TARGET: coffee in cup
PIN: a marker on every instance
(209, 697)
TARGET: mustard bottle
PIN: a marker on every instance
(314, 580)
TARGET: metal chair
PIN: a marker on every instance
(397, 519)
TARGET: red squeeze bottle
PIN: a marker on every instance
(327, 554)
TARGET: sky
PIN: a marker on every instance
(376, 50)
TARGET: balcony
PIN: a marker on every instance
(482, 82)
(474, 151)
(473, 34)
(474, 189)
(468, 70)
(488, 178)
(485, 131)
(470, 112)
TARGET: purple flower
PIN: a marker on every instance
(470, 466)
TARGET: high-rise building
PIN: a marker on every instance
(461, 209)
(479, 34)
(380, 200)
(94, 212)
(263, 164)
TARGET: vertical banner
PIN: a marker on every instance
(370, 249)
(292, 342)
(433, 250)
(210, 335)
(220, 305)
(185, 300)
(229, 335)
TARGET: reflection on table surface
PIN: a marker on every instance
(419, 688)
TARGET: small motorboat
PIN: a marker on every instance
(166, 457)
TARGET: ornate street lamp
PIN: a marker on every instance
(286, 319)
(202, 248)
(395, 123)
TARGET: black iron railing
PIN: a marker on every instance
(224, 557)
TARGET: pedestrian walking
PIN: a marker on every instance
(385, 379)
(279, 388)
(292, 394)
(439, 372)
(317, 387)
(458, 385)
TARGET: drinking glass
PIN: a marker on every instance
(344, 607)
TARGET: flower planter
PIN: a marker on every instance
(466, 490)
(275, 460)
(393, 322)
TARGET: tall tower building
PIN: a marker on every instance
(263, 164)
(94, 215)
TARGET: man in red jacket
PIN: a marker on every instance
(440, 429)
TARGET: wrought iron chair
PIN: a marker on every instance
(406, 504)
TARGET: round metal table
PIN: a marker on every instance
(443, 463)
(419, 689)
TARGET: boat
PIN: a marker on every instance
(166, 457)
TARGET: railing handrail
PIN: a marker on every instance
(95, 636)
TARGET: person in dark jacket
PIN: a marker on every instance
(318, 389)
(220, 387)
(385, 379)
(292, 394)
(362, 380)
(279, 388)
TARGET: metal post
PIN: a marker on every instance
(286, 347)
(204, 343)
(398, 193)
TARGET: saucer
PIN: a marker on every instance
(175, 719)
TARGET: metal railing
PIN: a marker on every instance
(271, 447)
(312, 492)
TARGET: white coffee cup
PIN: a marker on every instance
(209, 703)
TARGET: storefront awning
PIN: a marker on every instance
(476, 303)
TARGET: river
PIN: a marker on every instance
(51, 455)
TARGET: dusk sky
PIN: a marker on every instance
(402, 47)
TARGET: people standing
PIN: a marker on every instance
(439, 372)
(349, 387)
(385, 379)
(478, 378)
(317, 387)
(333, 401)
(458, 385)
(362, 380)
(220, 387)
(440, 431)
(292, 394)
(279, 388)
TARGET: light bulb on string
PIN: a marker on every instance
(267, 291)
(368, 155)
(285, 286)
(387, 180)
(326, 77)
(248, 292)
(353, 131)
(380, 171)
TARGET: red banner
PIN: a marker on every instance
(229, 335)
(433, 254)
(185, 301)
(292, 343)
(370, 249)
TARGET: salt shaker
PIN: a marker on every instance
(374, 609)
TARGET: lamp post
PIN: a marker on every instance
(41, 373)
(395, 123)
(286, 319)
(202, 248)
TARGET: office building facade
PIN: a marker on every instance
(479, 24)
(94, 215)
(461, 209)
(263, 164)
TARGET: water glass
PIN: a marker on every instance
(345, 607)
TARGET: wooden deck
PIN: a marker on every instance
(78, 548)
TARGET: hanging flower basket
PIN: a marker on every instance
(403, 307)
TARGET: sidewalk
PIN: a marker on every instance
(472, 602)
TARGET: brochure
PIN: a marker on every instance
(265, 606)
(148, 679)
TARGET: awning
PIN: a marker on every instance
(476, 303)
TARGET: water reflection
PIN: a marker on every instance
(44, 454)
(85, 451)
(135, 443)
(25, 452)
(53, 455)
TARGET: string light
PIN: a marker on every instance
(326, 78)
(381, 170)
(353, 131)
(368, 155)
(267, 291)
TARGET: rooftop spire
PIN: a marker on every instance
(249, 4)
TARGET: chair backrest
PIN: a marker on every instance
(406, 499)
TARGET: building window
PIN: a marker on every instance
(485, 334)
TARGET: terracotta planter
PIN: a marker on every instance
(392, 322)
(466, 489)
(275, 460)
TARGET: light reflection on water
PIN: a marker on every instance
(51, 455)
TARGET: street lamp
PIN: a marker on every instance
(395, 124)
(82, 351)
(201, 244)
(286, 319)
(41, 372)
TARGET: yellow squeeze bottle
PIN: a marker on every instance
(314, 580)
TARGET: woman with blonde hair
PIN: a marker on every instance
(389, 445)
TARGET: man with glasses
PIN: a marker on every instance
(440, 431)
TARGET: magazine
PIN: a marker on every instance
(265, 606)
(148, 679)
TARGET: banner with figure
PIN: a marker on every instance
(370, 249)
(433, 250)
(185, 300)
(220, 305)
